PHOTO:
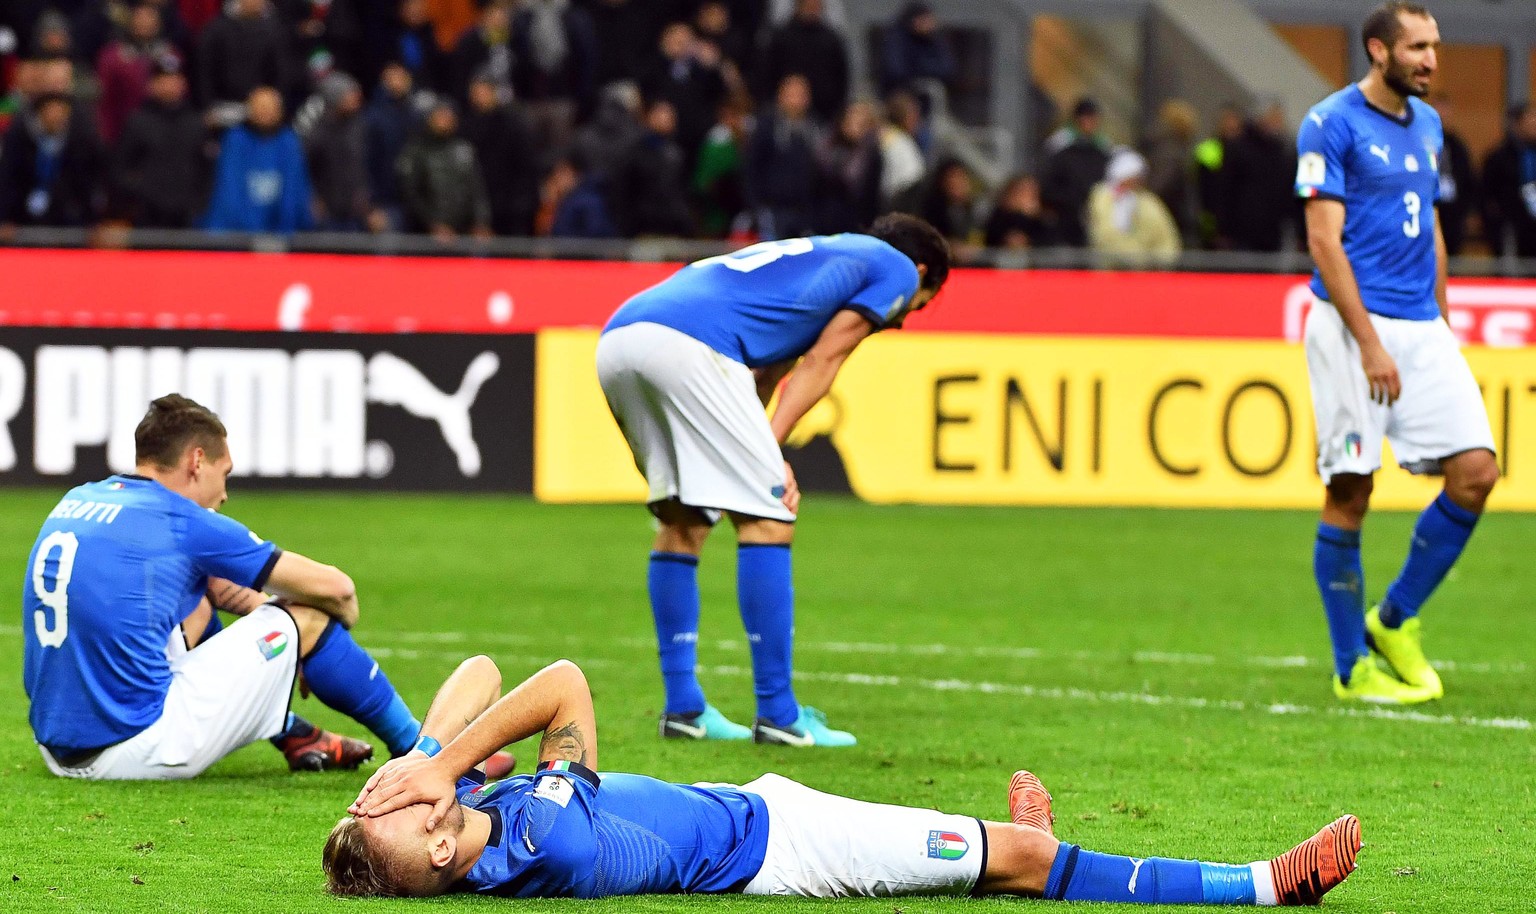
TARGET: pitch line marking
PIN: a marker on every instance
(1045, 693)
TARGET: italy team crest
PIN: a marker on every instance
(946, 845)
(273, 644)
(1352, 444)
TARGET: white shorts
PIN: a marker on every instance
(693, 421)
(1439, 414)
(826, 846)
(231, 690)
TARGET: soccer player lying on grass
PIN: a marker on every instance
(126, 678)
(423, 826)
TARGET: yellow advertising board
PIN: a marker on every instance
(1029, 420)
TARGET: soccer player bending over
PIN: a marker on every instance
(425, 825)
(687, 367)
(1380, 354)
(126, 677)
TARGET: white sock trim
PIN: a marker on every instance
(1263, 885)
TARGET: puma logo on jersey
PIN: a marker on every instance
(1382, 152)
(1315, 118)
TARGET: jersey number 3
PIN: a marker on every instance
(55, 597)
(1412, 202)
(759, 255)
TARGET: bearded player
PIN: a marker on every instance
(1380, 355)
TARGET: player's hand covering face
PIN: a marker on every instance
(410, 779)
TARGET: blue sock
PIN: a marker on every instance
(766, 592)
(342, 675)
(673, 582)
(1079, 875)
(1336, 563)
(293, 726)
(1438, 538)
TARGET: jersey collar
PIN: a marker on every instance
(1404, 121)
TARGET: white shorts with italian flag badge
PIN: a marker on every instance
(825, 846)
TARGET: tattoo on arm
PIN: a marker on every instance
(564, 744)
(231, 597)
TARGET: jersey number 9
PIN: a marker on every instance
(55, 597)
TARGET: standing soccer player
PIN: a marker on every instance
(1380, 355)
(687, 367)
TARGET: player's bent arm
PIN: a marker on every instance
(818, 368)
(555, 700)
(324, 587)
(230, 597)
(769, 376)
(1325, 241)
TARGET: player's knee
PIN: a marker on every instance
(311, 624)
(1019, 859)
(1351, 494)
(763, 530)
(1478, 477)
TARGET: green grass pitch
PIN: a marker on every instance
(1164, 672)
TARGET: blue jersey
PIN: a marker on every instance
(1386, 171)
(564, 833)
(769, 302)
(117, 566)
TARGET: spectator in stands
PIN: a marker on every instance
(686, 73)
(953, 206)
(1509, 187)
(50, 169)
(1019, 220)
(412, 44)
(554, 70)
(808, 46)
(781, 11)
(52, 36)
(1077, 156)
(1458, 181)
(486, 48)
(616, 27)
(36, 77)
(1170, 163)
(575, 202)
(123, 67)
(325, 34)
(1213, 179)
(903, 165)
(241, 50)
(440, 180)
(849, 172)
(1261, 181)
(714, 25)
(160, 169)
(781, 164)
(507, 154)
(337, 147)
(1128, 226)
(602, 142)
(389, 121)
(718, 177)
(914, 50)
(651, 188)
(260, 183)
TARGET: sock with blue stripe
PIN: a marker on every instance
(1079, 875)
(1438, 538)
(765, 591)
(1340, 580)
(673, 582)
(344, 676)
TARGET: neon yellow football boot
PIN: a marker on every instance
(1403, 649)
(1369, 684)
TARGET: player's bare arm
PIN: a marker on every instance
(769, 376)
(556, 700)
(325, 587)
(227, 596)
(1325, 241)
(813, 377)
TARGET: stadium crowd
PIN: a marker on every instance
(605, 119)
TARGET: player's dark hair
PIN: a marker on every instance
(918, 240)
(1385, 24)
(351, 867)
(173, 424)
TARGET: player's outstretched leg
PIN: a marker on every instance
(345, 677)
(309, 748)
(1029, 803)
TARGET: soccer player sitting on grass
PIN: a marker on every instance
(425, 825)
(126, 678)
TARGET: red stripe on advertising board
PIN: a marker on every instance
(377, 294)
